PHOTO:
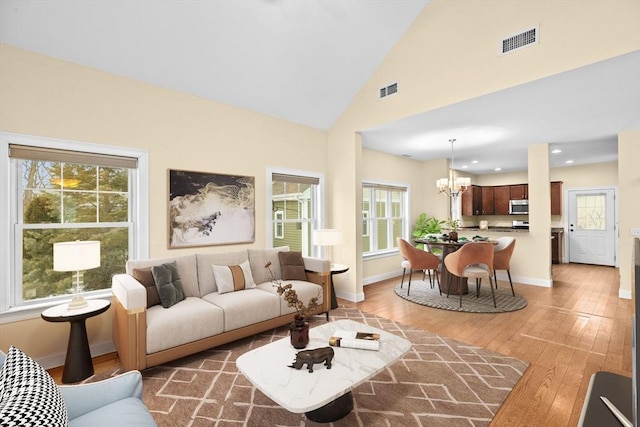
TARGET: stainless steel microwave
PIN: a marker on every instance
(518, 207)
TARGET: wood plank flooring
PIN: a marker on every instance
(567, 333)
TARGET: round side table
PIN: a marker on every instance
(77, 364)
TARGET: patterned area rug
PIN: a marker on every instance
(439, 382)
(421, 293)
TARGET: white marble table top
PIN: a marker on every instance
(301, 391)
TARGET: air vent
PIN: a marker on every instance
(389, 90)
(520, 40)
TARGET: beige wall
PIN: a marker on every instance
(450, 55)
(47, 97)
(628, 203)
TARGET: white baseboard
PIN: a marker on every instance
(624, 294)
(56, 360)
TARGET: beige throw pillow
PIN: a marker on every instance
(230, 278)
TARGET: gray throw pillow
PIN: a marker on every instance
(292, 265)
(168, 283)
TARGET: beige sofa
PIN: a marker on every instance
(147, 336)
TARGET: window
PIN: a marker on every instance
(383, 217)
(278, 225)
(295, 201)
(63, 191)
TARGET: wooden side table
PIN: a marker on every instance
(77, 364)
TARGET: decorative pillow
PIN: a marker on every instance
(231, 278)
(144, 276)
(28, 394)
(292, 265)
(168, 283)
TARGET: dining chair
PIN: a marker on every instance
(502, 257)
(473, 261)
(416, 259)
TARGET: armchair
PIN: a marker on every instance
(116, 401)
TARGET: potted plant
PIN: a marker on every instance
(453, 225)
(426, 225)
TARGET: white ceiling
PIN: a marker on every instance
(304, 61)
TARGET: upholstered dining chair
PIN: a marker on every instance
(416, 259)
(502, 257)
(473, 261)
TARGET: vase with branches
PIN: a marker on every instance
(300, 326)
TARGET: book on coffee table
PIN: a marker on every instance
(352, 339)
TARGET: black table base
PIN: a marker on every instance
(77, 364)
(332, 411)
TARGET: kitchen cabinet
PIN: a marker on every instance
(487, 200)
(556, 198)
(472, 201)
(501, 197)
(556, 246)
(519, 192)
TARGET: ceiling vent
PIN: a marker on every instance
(389, 90)
(520, 40)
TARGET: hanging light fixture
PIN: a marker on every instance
(453, 185)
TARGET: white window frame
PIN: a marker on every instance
(318, 215)
(9, 198)
(278, 225)
(370, 217)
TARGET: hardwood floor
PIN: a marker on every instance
(566, 333)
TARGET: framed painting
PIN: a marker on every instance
(208, 209)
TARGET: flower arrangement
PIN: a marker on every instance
(290, 295)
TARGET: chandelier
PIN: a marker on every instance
(453, 185)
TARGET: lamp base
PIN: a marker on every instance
(77, 302)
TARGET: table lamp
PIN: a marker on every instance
(327, 237)
(76, 256)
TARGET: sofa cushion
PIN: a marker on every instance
(186, 270)
(206, 279)
(230, 278)
(244, 308)
(129, 412)
(168, 283)
(292, 265)
(304, 290)
(260, 257)
(144, 276)
(187, 321)
(28, 394)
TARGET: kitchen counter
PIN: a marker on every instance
(496, 229)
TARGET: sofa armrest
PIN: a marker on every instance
(131, 293)
(317, 265)
(84, 398)
(129, 328)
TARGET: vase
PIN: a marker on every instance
(299, 332)
(453, 236)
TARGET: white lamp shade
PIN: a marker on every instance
(327, 237)
(76, 256)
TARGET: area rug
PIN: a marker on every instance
(439, 382)
(421, 293)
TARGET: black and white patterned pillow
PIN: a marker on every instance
(28, 394)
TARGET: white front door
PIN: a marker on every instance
(592, 226)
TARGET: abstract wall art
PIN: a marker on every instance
(210, 209)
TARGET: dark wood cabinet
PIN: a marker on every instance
(487, 201)
(519, 192)
(501, 197)
(556, 198)
(472, 201)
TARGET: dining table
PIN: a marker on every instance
(458, 284)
